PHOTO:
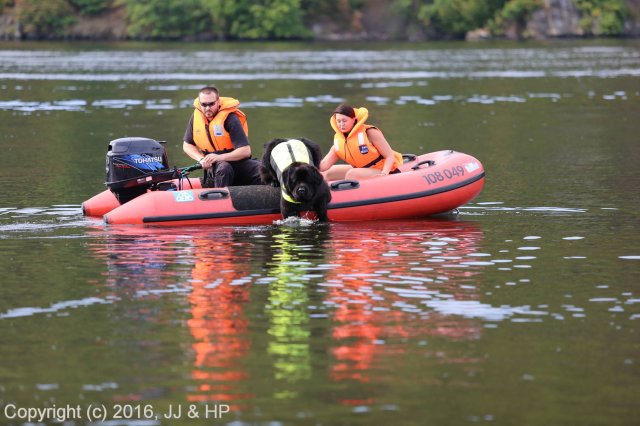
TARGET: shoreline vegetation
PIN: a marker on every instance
(316, 20)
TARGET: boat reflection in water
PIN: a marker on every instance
(162, 273)
(381, 279)
(221, 283)
(321, 304)
(297, 263)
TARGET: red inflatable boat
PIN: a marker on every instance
(429, 184)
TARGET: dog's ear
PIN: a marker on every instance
(286, 176)
(267, 176)
(315, 176)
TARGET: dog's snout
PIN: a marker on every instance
(302, 190)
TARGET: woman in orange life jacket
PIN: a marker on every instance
(363, 147)
(217, 138)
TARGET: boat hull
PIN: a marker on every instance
(105, 201)
(430, 184)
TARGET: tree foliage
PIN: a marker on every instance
(45, 18)
(6, 4)
(602, 17)
(292, 19)
(514, 12)
(455, 18)
(168, 20)
(90, 7)
(238, 19)
(266, 19)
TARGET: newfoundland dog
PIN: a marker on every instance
(292, 165)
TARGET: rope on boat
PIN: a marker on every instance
(183, 174)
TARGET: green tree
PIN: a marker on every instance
(169, 20)
(237, 19)
(44, 19)
(91, 7)
(448, 18)
(218, 11)
(514, 12)
(602, 17)
(6, 4)
(265, 19)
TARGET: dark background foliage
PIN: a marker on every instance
(302, 19)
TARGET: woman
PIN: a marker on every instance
(363, 147)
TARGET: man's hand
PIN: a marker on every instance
(209, 160)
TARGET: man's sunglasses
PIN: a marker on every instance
(208, 104)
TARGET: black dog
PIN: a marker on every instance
(292, 165)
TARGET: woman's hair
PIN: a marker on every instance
(345, 109)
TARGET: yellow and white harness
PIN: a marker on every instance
(283, 155)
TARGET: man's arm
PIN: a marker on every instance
(192, 151)
(239, 139)
(188, 145)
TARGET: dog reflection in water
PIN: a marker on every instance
(292, 164)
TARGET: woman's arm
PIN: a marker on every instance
(378, 140)
(328, 160)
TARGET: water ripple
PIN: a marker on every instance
(56, 307)
(320, 64)
(603, 73)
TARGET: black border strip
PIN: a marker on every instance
(201, 216)
(260, 212)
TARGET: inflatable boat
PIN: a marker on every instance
(428, 184)
(105, 201)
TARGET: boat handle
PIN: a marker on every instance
(345, 184)
(214, 194)
(428, 162)
(407, 158)
(165, 186)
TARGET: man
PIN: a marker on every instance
(216, 137)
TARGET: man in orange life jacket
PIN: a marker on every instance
(217, 137)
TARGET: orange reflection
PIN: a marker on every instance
(377, 299)
(379, 283)
(218, 323)
(212, 269)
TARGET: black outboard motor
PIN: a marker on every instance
(134, 165)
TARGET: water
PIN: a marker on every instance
(522, 309)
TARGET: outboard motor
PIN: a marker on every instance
(134, 165)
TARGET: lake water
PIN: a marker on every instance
(522, 309)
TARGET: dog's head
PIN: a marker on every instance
(302, 181)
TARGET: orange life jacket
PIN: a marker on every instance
(213, 137)
(356, 149)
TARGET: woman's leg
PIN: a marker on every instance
(337, 172)
(362, 173)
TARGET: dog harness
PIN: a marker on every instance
(284, 155)
(213, 137)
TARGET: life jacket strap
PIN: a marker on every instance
(287, 197)
(222, 151)
(372, 163)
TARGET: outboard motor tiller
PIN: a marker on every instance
(134, 165)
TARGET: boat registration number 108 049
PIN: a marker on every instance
(433, 178)
(446, 174)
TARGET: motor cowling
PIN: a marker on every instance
(133, 165)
